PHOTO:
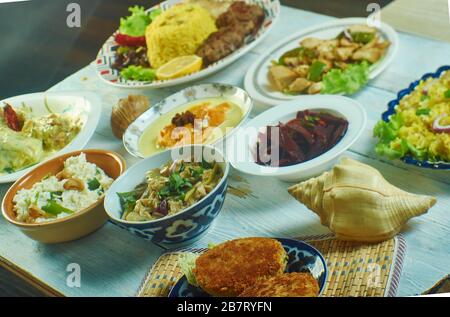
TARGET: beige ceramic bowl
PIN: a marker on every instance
(77, 225)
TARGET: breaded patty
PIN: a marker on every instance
(229, 268)
(284, 285)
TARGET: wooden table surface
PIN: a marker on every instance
(114, 262)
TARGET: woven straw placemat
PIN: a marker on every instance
(354, 269)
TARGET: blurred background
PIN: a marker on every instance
(38, 49)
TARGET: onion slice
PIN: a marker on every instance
(438, 127)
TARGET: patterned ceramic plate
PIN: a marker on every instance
(234, 94)
(256, 80)
(105, 58)
(392, 105)
(84, 105)
(302, 258)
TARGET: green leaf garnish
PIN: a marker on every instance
(347, 81)
(127, 201)
(423, 112)
(447, 94)
(140, 73)
(93, 184)
(136, 23)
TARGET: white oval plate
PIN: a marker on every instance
(86, 105)
(257, 83)
(188, 95)
(105, 58)
(241, 152)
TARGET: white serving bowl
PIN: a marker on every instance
(85, 105)
(241, 148)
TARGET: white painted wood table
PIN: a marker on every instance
(113, 262)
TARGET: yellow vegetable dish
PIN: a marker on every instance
(26, 140)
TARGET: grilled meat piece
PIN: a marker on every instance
(249, 16)
(221, 43)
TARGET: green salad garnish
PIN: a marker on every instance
(348, 81)
(138, 73)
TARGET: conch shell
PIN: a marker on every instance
(356, 203)
(126, 111)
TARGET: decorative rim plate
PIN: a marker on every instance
(256, 81)
(341, 106)
(105, 58)
(302, 258)
(195, 93)
(392, 105)
(86, 105)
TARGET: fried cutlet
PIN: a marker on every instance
(284, 285)
(231, 267)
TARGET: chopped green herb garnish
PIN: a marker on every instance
(8, 170)
(447, 94)
(423, 112)
(127, 201)
(93, 184)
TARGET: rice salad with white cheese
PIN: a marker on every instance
(79, 185)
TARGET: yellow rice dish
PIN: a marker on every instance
(421, 125)
(178, 31)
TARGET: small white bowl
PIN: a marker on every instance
(240, 148)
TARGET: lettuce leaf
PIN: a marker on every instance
(186, 261)
(136, 23)
(387, 132)
(138, 73)
(347, 81)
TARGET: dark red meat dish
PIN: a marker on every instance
(241, 19)
(307, 136)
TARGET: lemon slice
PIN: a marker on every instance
(180, 66)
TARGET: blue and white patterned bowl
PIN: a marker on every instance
(392, 105)
(302, 257)
(183, 227)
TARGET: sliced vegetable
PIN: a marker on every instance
(347, 81)
(93, 184)
(316, 71)
(138, 73)
(128, 40)
(55, 209)
(440, 128)
(10, 116)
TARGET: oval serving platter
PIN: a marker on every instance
(302, 258)
(256, 80)
(87, 106)
(132, 135)
(392, 105)
(106, 56)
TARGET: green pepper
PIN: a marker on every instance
(54, 208)
(316, 71)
